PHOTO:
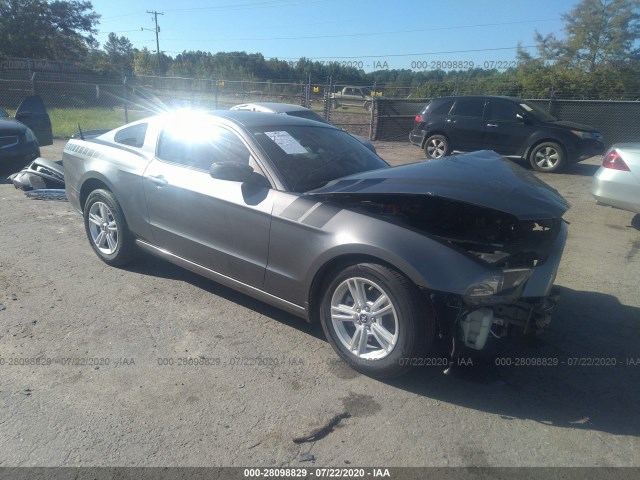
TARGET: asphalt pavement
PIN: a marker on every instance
(151, 365)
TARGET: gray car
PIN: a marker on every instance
(302, 216)
(617, 181)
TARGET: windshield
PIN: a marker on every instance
(3, 113)
(308, 157)
(537, 112)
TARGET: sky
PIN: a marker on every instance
(371, 34)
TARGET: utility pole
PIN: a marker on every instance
(157, 30)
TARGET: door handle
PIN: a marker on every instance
(158, 180)
(492, 124)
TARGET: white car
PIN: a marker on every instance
(294, 111)
(617, 181)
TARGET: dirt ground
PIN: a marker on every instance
(121, 390)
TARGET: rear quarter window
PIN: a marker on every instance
(442, 109)
(132, 136)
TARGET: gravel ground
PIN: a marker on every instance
(128, 408)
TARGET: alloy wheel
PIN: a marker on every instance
(436, 148)
(103, 228)
(547, 158)
(364, 318)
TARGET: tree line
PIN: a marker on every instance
(598, 56)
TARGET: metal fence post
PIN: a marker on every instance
(216, 91)
(374, 107)
(126, 100)
(327, 100)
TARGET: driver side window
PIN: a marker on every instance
(200, 149)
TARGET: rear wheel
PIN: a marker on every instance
(547, 157)
(436, 146)
(107, 229)
(375, 319)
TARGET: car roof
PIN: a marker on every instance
(272, 107)
(454, 97)
(245, 118)
(248, 118)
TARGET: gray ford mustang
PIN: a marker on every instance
(304, 217)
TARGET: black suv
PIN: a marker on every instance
(510, 126)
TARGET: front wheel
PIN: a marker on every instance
(436, 146)
(368, 106)
(375, 319)
(107, 229)
(547, 157)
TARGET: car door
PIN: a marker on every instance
(219, 224)
(465, 124)
(33, 114)
(505, 130)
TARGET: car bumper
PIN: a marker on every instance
(615, 188)
(416, 137)
(585, 149)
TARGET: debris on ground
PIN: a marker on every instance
(39, 174)
(323, 431)
(47, 194)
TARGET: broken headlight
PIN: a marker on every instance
(498, 288)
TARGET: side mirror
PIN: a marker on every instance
(232, 171)
(524, 118)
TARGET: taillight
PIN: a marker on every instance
(418, 119)
(614, 160)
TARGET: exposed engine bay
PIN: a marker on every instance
(497, 238)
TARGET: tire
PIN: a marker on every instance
(107, 228)
(548, 157)
(368, 106)
(392, 338)
(334, 104)
(436, 146)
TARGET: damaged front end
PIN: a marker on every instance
(521, 258)
(496, 214)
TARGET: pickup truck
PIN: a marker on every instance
(352, 97)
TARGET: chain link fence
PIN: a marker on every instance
(105, 101)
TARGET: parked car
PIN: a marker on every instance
(351, 96)
(302, 216)
(20, 137)
(295, 111)
(509, 126)
(617, 181)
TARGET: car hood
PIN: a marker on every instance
(9, 126)
(481, 178)
(573, 126)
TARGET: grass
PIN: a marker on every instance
(64, 121)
